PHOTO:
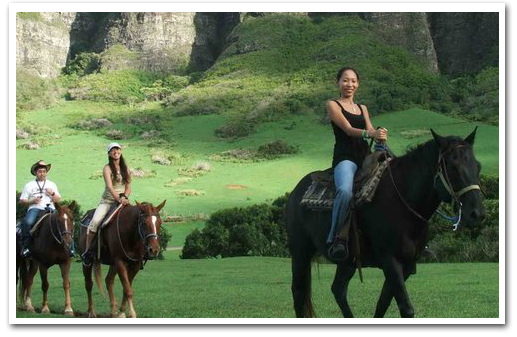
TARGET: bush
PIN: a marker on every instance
(275, 149)
(258, 230)
(478, 243)
(490, 185)
(34, 92)
(83, 64)
(235, 129)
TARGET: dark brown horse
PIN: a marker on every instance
(50, 246)
(393, 226)
(130, 238)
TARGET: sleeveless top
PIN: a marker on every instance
(346, 147)
(118, 186)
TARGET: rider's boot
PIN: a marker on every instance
(87, 256)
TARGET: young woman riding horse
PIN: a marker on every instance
(393, 226)
(351, 125)
(129, 239)
(118, 188)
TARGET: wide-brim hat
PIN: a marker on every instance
(112, 145)
(38, 164)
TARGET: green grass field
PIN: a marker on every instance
(78, 155)
(260, 287)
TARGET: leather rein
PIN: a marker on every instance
(441, 172)
(141, 222)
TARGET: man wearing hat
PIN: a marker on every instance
(37, 194)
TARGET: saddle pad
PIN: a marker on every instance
(34, 229)
(319, 196)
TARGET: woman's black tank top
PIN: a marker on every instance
(346, 147)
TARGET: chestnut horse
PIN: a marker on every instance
(130, 238)
(50, 246)
(393, 226)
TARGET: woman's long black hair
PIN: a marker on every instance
(123, 169)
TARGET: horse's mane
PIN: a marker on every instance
(424, 154)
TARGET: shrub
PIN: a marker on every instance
(490, 185)
(34, 92)
(478, 243)
(256, 230)
(275, 149)
(235, 129)
(83, 64)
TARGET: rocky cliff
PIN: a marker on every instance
(451, 43)
(43, 42)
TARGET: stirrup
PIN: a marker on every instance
(87, 258)
(338, 250)
(25, 253)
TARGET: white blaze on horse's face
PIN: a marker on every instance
(153, 220)
(66, 221)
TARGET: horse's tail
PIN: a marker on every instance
(308, 308)
(22, 266)
(98, 276)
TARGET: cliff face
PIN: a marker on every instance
(43, 41)
(409, 31)
(452, 43)
(465, 43)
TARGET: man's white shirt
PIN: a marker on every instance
(31, 190)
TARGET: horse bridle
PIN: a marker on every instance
(61, 233)
(444, 177)
(441, 172)
(145, 239)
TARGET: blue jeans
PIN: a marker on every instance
(27, 223)
(344, 178)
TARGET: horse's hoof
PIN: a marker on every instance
(92, 315)
(122, 315)
(69, 312)
(45, 310)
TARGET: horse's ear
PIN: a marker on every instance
(438, 139)
(160, 206)
(137, 203)
(72, 205)
(470, 138)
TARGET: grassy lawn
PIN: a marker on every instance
(77, 156)
(260, 287)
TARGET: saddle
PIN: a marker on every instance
(85, 221)
(321, 193)
(35, 228)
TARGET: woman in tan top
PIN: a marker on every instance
(118, 187)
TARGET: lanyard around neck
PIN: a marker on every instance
(41, 187)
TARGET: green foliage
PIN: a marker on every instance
(114, 86)
(478, 96)
(257, 230)
(32, 16)
(490, 185)
(479, 243)
(163, 238)
(34, 92)
(83, 64)
(235, 129)
(276, 149)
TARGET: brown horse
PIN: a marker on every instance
(130, 238)
(50, 246)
